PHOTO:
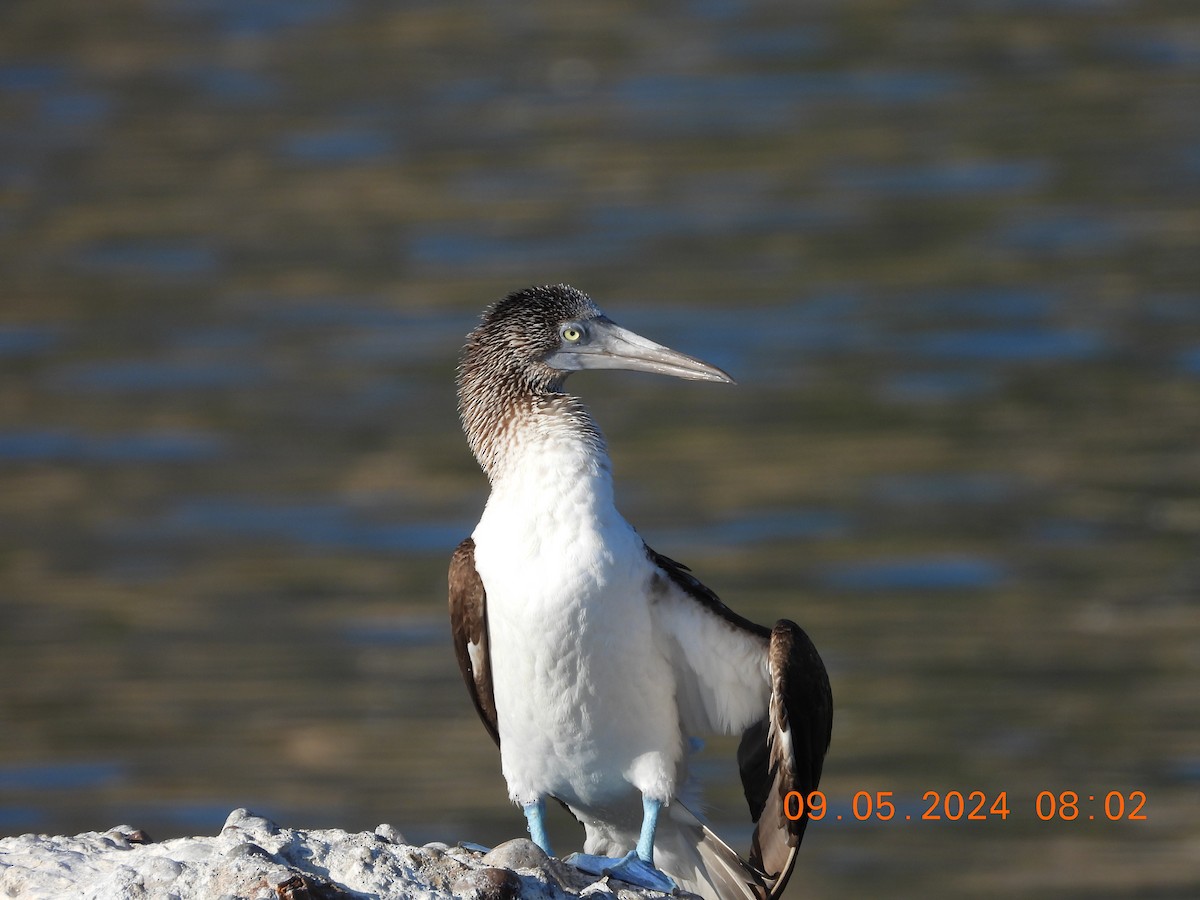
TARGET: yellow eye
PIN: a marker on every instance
(572, 334)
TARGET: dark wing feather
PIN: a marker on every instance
(785, 752)
(682, 576)
(468, 624)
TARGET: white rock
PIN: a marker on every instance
(252, 856)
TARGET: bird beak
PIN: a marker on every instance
(609, 346)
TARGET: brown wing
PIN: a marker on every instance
(785, 751)
(468, 624)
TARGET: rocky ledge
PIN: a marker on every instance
(252, 858)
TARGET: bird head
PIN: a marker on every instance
(550, 331)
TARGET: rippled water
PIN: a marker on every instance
(951, 254)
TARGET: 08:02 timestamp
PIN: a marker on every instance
(974, 806)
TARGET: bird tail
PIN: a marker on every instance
(702, 863)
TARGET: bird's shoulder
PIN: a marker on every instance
(681, 577)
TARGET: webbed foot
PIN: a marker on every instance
(629, 868)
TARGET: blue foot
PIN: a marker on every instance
(630, 868)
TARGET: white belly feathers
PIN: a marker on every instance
(585, 695)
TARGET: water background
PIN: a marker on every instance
(951, 252)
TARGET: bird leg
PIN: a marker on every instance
(637, 866)
(535, 813)
(645, 844)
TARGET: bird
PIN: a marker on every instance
(595, 663)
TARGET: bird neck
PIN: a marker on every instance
(517, 429)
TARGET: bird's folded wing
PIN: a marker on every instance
(784, 753)
(468, 625)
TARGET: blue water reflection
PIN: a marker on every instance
(61, 775)
(18, 341)
(513, 184)
(730, 103)
(62, 102)
(72, 447)
(33, 77)
(1189, 361)
(1013, 302)
(398, 632)
(1027, 345)
(1175, 48)
(1065, 533)
(955, 178)
(948, 573)
(1181, 308)
(498, 254)
(941, 488)
(938, 387)
(219, 338)
(234, 86)
(75, 108)
(717, 10)
(151, 256)
(721, 95)
(236, 18)
(157, 375)
(21, 819)
(762, 527)
(337, 146)
(737, 212)
(323, 525)
(785, 43)
(1060, 234)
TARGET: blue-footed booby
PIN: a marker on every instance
(595, 662)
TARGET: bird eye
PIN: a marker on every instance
(572, 334)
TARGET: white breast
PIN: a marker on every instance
(585, 697)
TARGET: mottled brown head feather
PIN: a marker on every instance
(503, 377)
